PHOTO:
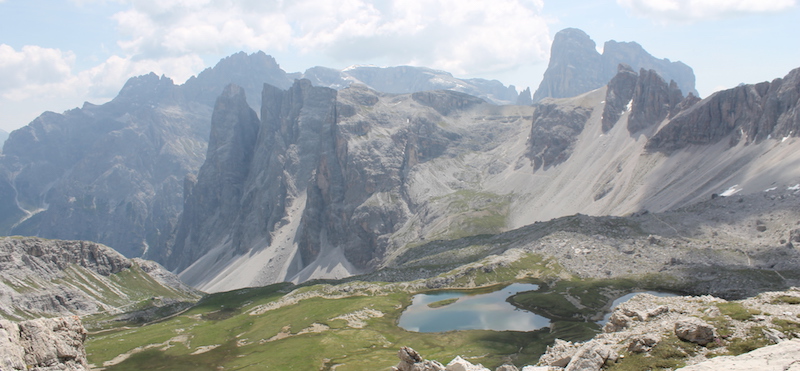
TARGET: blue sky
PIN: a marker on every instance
(54, 55)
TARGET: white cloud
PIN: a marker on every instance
(667, 11)
(462, 36)
(36, 73)
(33, 70)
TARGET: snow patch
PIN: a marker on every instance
(770, 189)
(734, 189)
(793, 188)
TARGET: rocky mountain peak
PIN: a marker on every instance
(577, 67)
(569, 72)
(653, 100)
(633, 54)
(524, 98)
(249, 72)
(749, 113)
(647, 97)
(146, 89)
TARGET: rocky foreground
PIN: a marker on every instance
(649, 332)
(43, 344)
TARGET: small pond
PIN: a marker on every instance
(464, 310)
(486, 311)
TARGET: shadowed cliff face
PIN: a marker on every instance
(213, 202)
(748, 112)
(554, 131)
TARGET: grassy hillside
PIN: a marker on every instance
(350, 325)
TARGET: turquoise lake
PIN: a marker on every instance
(484, 311)
(488, 311)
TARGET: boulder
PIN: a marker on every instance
(643, 343)
(695, 330)
(460, 364)
(559, 354)
(507, 368)
(592, 356)
(410, 360)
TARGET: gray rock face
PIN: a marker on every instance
(749, 113)
(554, 132)
(653, 101)
(211, 205)
(618, 95)
(649, 99)
(588, 356)
(576, 67)
(109, 173)
(43, 344)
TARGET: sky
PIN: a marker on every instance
(57, 54)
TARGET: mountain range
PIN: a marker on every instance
(247, 175)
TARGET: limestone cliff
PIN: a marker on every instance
(208, 208)
(576, 67)
(554, 133)
(746, 113)
(339, 168)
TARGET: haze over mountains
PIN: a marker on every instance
(330, 173)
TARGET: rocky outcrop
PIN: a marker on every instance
(618, 95)
(649, 99)
(779, 357)
(749, 113)
(653, 100)
(554, 131)
(660, 323)
(43, 344)
(589, 356)
(53, 277)
(634, 55)
(410, 360)
(524, 98)
(576, 67)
